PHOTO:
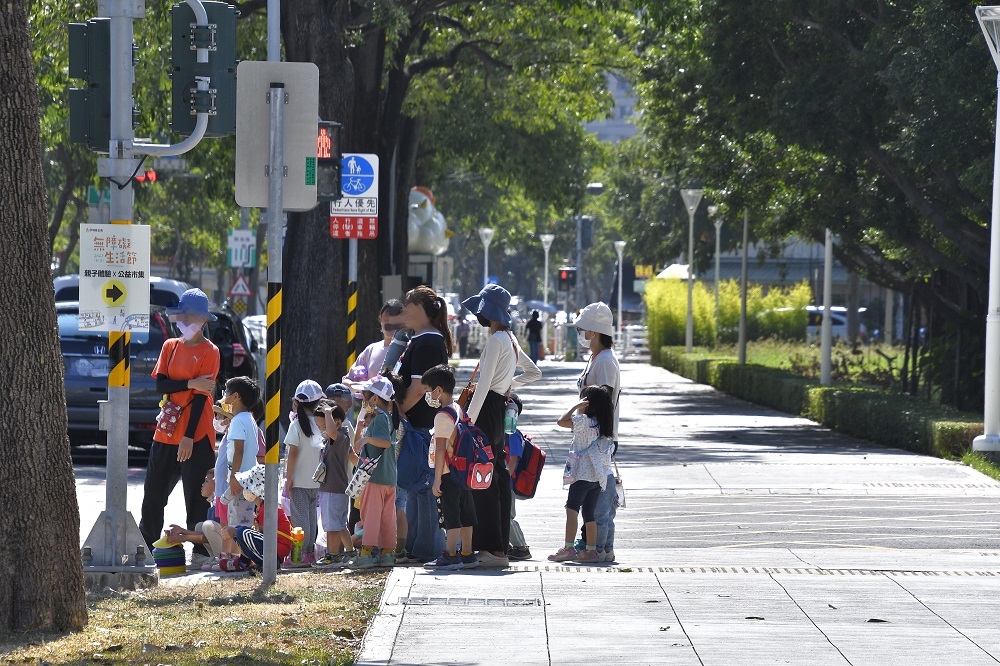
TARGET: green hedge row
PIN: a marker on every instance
(899, 421)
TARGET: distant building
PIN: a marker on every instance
(619, 124)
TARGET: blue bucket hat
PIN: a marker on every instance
(492, 302)
(194, 302)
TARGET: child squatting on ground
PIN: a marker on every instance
(587, 468)
(456, 502)
(250, 540)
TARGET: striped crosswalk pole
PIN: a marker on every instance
(352, 302)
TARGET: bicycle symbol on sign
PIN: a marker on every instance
(355, 185)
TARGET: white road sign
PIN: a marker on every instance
(114, 278)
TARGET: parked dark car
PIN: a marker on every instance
(85, 360)
(236, 352)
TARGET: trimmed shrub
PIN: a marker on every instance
(888, 419)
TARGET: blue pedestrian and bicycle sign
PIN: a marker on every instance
(355, 214)
(358, 176)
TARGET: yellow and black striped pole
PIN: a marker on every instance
(352, 302)
(272, 387)
(272, 399)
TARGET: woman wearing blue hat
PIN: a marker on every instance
(184, 439)
(498, 362)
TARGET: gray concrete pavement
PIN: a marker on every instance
(750, 537)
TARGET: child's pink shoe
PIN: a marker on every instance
(588, 557)
(564, 554)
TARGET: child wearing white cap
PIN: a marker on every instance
(305, 449)
(378, 499)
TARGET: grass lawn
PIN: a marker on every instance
(866, 364)
(305, 618)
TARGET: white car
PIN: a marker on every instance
(838, 323)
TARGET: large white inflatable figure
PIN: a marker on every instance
(425, 224)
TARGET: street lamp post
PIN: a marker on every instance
(712, 210)
(595, 189)
(620, 249)
(691, 200)
(486, 235)
(546, 245)
(989, 21)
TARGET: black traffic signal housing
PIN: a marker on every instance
(90, 107)
(586, 232)
(567, 278)
(220, 40)
(328, 160)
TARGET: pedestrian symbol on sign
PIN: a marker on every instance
(358, 175)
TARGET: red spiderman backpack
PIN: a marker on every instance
(471, 464)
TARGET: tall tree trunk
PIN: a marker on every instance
(314, 331)
(41, 572)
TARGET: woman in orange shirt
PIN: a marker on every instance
(183, 444)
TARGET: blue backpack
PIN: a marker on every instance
(471, 464)
(412, 471)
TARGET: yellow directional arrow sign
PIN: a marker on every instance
(113, 292)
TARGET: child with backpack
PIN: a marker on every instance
(457, 504)
(587, 468)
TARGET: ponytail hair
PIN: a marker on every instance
(304, 411)
(601, 408)
(436, 309)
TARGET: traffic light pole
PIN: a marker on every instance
(115, 544)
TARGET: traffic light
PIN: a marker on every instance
(149, 175)
(328, 160)
(90, 107)
(567, 278)
(586, 232)
(219, 37)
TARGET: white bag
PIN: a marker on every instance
(366, 466)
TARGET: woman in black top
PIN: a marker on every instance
(427, 314)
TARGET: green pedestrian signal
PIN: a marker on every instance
(219, 37)
(90, 60)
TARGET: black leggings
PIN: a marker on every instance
(492, 532)
(162, 474)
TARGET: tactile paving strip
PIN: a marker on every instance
(812, 571)
(468, 601)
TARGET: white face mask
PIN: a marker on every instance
(431, 400)
(188, 331)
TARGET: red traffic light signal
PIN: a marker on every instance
(567, 278)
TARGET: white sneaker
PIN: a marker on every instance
(198, 560)
(488, 560)
(609, 556)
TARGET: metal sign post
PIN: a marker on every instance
(354, 216)
(274, 266)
